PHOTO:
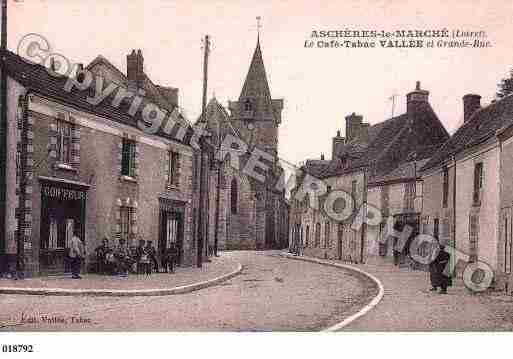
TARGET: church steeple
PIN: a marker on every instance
(256, 115)
(256, 84)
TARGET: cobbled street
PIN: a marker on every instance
(271, 294)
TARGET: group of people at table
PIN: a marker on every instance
(142, 259)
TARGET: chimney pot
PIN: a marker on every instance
(471, 103)
(338, 133)
(80, 75)
(416, 100)
(135, 67)
(353, 124)
(322, 156)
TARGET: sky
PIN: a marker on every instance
(320, 86)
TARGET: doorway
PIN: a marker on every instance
(62, 213)
(172, 230)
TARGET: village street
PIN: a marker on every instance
(275, 294)
(272, 293)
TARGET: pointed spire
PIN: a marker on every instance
(256, 85)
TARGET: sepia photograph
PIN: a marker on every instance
(237, 167)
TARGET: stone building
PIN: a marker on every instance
(246, 211)
(467, 188)
(79, 162)
(375, 165)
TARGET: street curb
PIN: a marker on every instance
(123, 293)
(361, 312)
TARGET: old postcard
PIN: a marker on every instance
(242, 166)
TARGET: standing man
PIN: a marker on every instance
(76, 253)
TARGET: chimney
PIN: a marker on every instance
(322, 156)
(471, 103)
(338, 142)
(417, 99)
(135, 68)
(353, 124)
(364, 132)
(80, 72)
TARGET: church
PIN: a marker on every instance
(244, 212)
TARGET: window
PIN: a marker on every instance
(446, 228)
(171, 230)
(195, 167)
(247, 105)
(60, 232)
(18, 166)
(327, 235)
(510, 241)
(409, 196)
(126, 218)
(173, 158)
(64, 129)
(317, 235)
(436, 228)
(53, 234)
(473, 233)
(128, 158)
(234, 196)
(445, 189)
(478, 182)
(507, 247)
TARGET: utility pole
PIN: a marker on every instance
(202, 211)
(206, 53)
(3, 137)
(393, 104)
(364, 214)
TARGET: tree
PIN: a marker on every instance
(505, 86)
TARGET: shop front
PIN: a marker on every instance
(63, 206)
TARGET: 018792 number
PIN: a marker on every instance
(19, 348)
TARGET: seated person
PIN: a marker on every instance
(104, 257)
(152, 253)
(139, 251)
(122, 256)
(132, 253)
(169, 258)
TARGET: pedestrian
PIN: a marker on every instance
(152, 253)
(433, 268)
(76, 254)
(437, 273)
(443, 260)
(139, 252)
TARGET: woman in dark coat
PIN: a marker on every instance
(436, 271)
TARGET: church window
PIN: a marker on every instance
(247, 105)
(234, 196)
(317, 235)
